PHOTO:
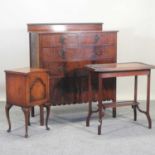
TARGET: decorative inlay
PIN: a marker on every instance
(37, 90)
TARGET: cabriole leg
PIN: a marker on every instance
(26, 114)
(7, 109)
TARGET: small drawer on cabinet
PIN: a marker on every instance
(55, 68)
(52, 54)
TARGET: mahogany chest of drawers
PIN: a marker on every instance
(65, 49)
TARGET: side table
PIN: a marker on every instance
(27, 87)
(119, 70)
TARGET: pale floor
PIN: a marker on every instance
(70, 136)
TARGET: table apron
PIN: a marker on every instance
(126, 73)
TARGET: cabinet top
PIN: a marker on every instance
(25, 70)
(62, 27)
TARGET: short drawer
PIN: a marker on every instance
(105, 52)
(98, 38)
(53, 40)
(90, 38)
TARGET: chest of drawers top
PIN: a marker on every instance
(63, 27)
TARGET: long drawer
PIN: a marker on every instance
(59, 39)
(67, 54)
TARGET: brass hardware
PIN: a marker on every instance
(61, 69)
(62, 53)
(96, 38)
(62, 39)
(98, 52)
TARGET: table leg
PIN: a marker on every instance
(114, 110)
(100, 106)
(90, 101)
(135, 98)
(26, 114)
(147, 112)
(148, 102)
(7, 109)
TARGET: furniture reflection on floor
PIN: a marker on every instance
(64, 49)
(104, 71)
(26, 88)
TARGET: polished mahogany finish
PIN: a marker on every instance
(104, 71)
(62, 27)
(64, 49)
(27, 87)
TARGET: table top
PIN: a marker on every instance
(112, 67)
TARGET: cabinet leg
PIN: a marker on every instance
(41, 115)
(7, 109)
(29, 119)
(26, 114)
(47, 116)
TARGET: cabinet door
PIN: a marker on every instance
(38, 88)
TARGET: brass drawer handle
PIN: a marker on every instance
(96, 38)
(98, 52)
(62, 53)
(61, 69)
(62, 39)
